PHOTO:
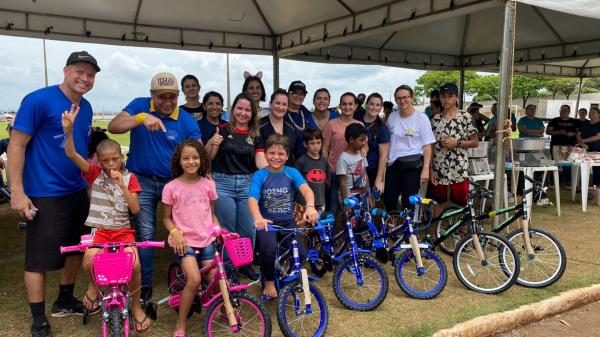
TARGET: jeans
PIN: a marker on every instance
(145, 222)
(231, 208)
(333, 202)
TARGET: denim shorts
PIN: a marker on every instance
(201, 254)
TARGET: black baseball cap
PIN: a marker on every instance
(297, 85)
(475, 105)
(449, 87)
(82, 56)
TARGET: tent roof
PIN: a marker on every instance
(418, 34)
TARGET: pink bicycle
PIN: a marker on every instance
(231, 309)
(112, 269)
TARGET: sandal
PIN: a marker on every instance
(138, 326)
(178, 333)
(95, 304)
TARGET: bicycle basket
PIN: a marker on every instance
(113, 268)
(240, 251)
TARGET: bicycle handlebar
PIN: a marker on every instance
(418, 200)
(82, 247)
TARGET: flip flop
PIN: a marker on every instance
(178, 333)
(95, 308)
(138, 326)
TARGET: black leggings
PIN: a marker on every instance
(267, 243)
(400, 181)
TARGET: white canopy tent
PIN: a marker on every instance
(555, 37)
(418, 34)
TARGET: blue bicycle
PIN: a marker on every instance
(301, 307)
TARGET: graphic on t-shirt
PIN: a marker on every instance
(358, 178)
(410, 132)
(277, 200)
(316, 176)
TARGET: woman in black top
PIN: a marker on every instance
(589, 137)
(237, 152)
(274, 123)
(191, 89)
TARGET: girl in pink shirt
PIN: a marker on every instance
(189, 217)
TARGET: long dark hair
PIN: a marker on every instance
(177, 170)
(257, 79)
(253, 124)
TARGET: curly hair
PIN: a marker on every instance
(177, 170)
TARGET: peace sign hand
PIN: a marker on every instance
(68, 119)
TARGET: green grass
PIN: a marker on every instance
(121, 139)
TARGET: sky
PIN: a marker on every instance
(127, 71)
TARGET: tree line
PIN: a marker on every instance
(485, 87)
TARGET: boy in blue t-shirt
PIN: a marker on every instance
(271, 200)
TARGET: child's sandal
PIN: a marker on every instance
(178, 333)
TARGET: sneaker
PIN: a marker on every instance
(250, 273)
(233, 276)
(75, 308)
(145, 296)
(42, 331)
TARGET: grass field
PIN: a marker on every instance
(122, 139)
(398, 316)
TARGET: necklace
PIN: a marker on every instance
(298, 127)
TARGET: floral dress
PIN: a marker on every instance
(451, 165)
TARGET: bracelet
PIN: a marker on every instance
(140, 117)
(173, 230)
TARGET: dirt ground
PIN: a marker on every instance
(580, 322)
(398, 316)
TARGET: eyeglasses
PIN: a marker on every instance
(403, 98)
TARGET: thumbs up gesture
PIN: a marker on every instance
(216, 139)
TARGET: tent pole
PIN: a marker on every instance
(45, 64)
(228, 86)
(578, 95)
(275, 71)
(461, 87)
(504, 94)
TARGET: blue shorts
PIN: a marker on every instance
(201, 254)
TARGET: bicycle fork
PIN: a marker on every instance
(233, 323)
(303, 278)
(354, 249)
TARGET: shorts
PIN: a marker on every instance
(201, 254)
(125, 235)
(59, 222)
(458, 192)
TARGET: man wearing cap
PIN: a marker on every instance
(298, 115)
(157, 125)
(48, 189)
(479, 119)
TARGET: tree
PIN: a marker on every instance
(568, 86)
(593, 82)
(434, 79)
(484, 87)
(552, 85)
(525, 87)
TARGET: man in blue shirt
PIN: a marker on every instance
(529, 125)
(47, 188)
(157, 125)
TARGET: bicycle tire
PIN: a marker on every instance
(449, 244)
(501, 265)
(546, 245)
(216, 324)
(116, 329)
(367, 262)
(293, 291)
(434, 270)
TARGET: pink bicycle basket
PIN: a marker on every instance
(240, 251)
(113, 268)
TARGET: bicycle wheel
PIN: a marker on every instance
(360, 297)
(251, 314)
(116, 330)
(449, 244)
(422, 284)
(548, 262)
(497, 272)
(292, 317)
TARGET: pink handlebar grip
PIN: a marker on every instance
(151, 244)
(71, 249)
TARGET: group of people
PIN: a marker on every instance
(242, 172)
